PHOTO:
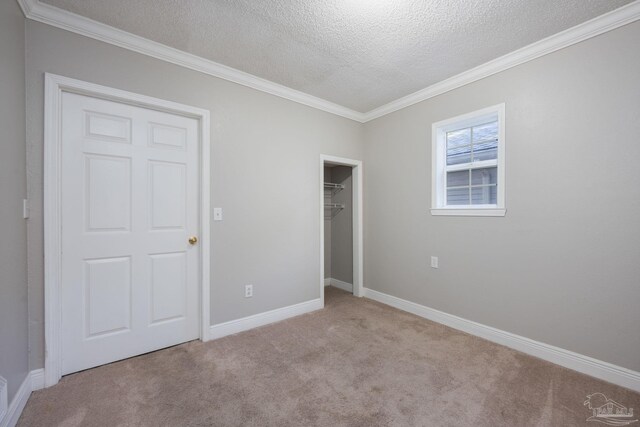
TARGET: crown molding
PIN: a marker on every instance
(26, 6)
(596, 26)
(47, 14)
(37, 11)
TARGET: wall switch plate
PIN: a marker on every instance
(217, 214)
(248, 291)
(25, 209)
(434, 262)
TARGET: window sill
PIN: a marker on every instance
(468, 212)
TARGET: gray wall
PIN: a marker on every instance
(342, 227)
(563, 266)
(14, 357)
(270, 233)
(327, 227)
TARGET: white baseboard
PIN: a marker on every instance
(37, 379)
(327, 282)
(4, 403)
(587, 365)
(33, 381)
(17, 404)
(340, 285)
(234, 326)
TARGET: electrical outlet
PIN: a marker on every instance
(434, 262)
(248, 291)
(217, 214)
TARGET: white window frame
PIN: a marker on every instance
(439, 163)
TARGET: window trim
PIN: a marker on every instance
(438, 163)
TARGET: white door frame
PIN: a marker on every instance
(358, 246)
(55, 86)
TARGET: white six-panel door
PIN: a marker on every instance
(129, 204)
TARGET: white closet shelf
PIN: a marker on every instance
(332, 185)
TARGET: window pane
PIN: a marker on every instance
(485, 132)
(459, 146)
(458, 196)
(456, 156)
(480, 153)
(484, 195)
(484, 176)
(458, 138)
(485, 141)
(458, 178)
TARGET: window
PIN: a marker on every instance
(468, 164)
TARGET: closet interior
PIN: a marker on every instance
(338, 227)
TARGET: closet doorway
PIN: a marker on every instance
(341, 227)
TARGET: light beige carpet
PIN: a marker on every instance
(355, 363)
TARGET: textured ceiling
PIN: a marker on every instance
(357, 53)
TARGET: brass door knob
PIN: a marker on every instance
(193, 240)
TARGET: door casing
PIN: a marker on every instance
(55, 86)
(358, 228)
